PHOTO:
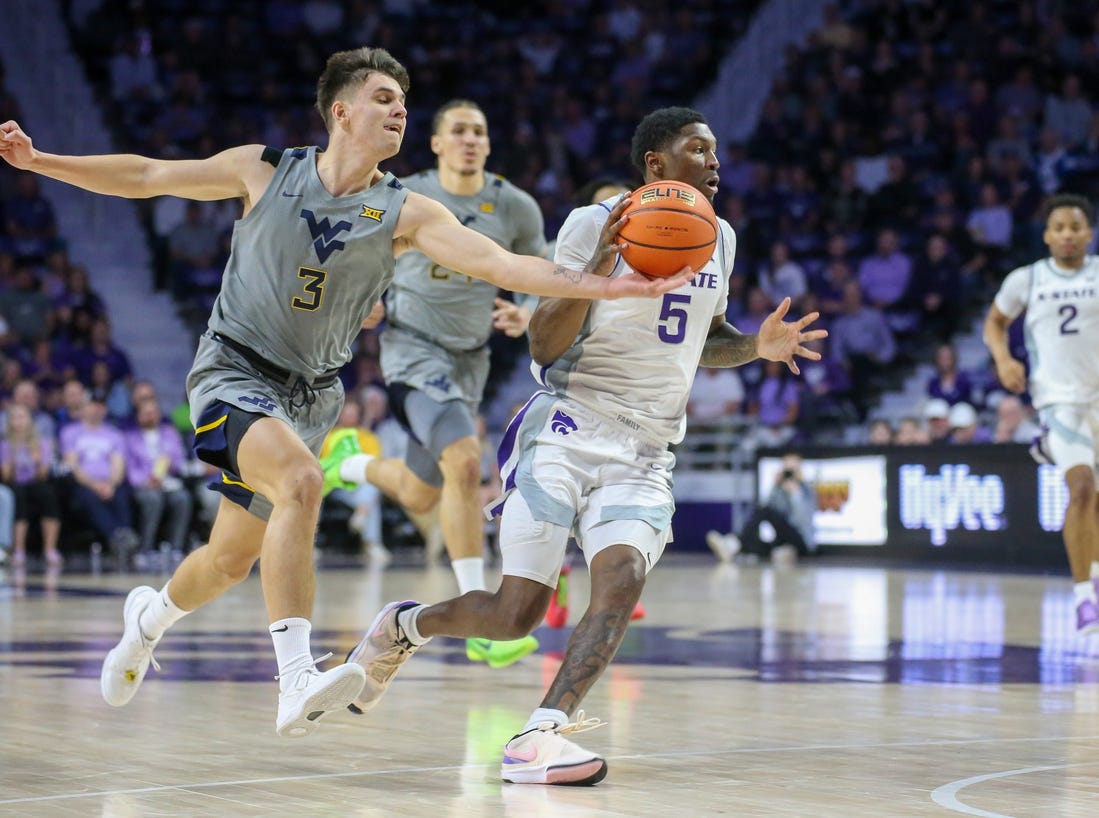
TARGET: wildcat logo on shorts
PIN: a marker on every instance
(562, 424)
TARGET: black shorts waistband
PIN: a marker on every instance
(273, 371)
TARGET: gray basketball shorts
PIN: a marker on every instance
(227, 395)
(432, 425)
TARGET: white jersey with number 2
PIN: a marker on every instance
(634, 359)
(1061, 328)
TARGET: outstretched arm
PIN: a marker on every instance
(777, 340)
(432, 229)
(222, 176)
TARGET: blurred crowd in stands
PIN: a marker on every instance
(896, 174)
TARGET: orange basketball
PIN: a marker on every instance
(671, 225)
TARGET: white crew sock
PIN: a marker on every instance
(470, 572)
(291, 639)
(1084, 590)
(544, 714)
(159, 615)
(407, 621)
(1094, 570)
(353, 468)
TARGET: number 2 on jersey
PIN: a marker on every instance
(313, 287)
(673, 318)
(1068, 312)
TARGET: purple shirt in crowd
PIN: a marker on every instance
(93, 447)
(21, 459)
(776, 396)
(143, 449)
(960, 392)
(884, 279)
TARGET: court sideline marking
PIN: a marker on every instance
(947, 795)
(683, 754)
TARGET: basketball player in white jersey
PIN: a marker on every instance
(435, 355)
(590, 455)
(310, 257)
(557, 614)
(1060, 295)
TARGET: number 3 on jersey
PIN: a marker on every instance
(313, 287)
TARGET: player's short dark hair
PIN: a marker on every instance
(437, 120)
(657, 130)
(584, 193)
(345, 68)
(1070, 200)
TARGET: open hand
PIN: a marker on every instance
(780, 340)
(510, 318)
(606, 253)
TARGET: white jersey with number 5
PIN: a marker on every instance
(1061, 328)
(634, 360)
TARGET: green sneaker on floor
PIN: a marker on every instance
(500, 654)
(345, 443)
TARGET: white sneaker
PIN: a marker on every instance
(128, 662)
(784, 555)
(724, 546)
(543, 756)
(380, 654)
(378, 554)
(311, 695)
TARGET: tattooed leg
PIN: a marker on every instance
(617, 577)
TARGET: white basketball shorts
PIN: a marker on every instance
(569, 471)
(1069, 434)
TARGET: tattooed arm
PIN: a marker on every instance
(777, 340)
(728, 346)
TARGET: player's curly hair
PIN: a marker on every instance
(1070, 200)
(345, 68)
(657, 130)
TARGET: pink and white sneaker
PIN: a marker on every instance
(543, 755)
(1087, 617)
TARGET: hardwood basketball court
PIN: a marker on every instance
(821, 689)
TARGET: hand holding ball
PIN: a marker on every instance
(671, 226)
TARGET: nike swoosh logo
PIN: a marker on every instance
(520, 755)
(283, 629)
(291, 195)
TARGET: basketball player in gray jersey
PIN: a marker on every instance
(312, 252)
(435, 354)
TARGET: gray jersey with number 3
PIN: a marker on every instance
(306, 267)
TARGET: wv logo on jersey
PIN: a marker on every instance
(441, 383)
(371, 213)
(266, 404)
(562, 424)
(324, 234)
